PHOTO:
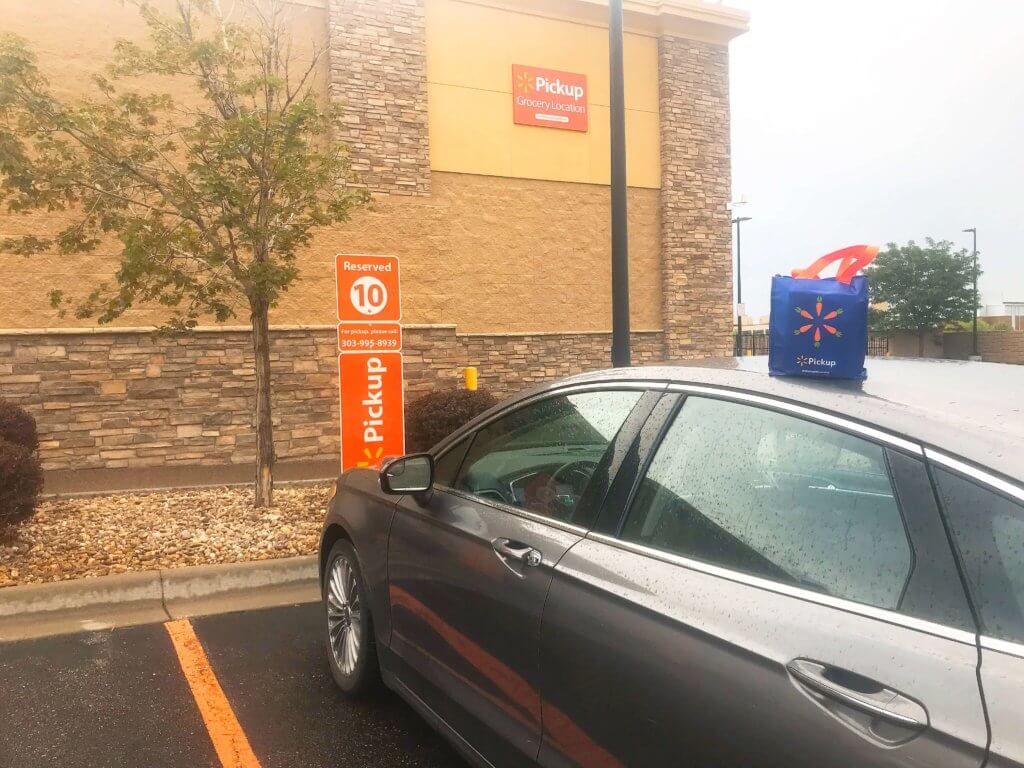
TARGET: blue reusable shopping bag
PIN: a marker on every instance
(819, 326)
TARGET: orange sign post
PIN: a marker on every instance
(549, 98)
(369, 359)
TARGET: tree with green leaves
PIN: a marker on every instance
(921, 288)
(211, 200)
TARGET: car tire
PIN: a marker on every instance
(348, 626)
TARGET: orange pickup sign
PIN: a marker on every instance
(549, 98)
(369, 359)
(372, 418)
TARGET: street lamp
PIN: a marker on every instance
(739, 288)
(974, 323)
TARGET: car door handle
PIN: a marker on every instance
(516, 550)
(868, 697)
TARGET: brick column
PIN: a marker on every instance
(379, 76)
(696, 233)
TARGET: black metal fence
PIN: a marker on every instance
(878, 346)
(756, 343)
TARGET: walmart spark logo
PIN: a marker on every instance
(371, 457)
(524, 82)
(818, 323)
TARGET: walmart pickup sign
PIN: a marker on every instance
(549, 98)
(369, 359)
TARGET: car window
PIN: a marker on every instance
(446, 466)
(777, 497)
(989, 533)
(540, 457)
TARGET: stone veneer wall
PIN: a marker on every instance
(378, 63)
(696, 228)
(127, 399)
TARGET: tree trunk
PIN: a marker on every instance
(920, 342)
(264, 424)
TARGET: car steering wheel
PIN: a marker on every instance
(575, 474)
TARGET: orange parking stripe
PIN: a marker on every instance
(228, 738)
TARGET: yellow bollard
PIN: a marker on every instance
(470, 377)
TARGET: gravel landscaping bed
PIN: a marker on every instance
(100, 535)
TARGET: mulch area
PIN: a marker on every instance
(99, 535)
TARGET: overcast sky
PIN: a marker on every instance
(875, 121)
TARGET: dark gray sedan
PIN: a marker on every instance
(702, 566)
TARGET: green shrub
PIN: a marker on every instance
(984, 325)
(17, 426)
(21, 474)
(432, 417)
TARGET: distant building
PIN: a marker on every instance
(751, 323)
(1009, 312)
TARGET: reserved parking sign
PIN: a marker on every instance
(368, 289)
(369, 359)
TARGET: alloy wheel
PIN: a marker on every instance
(344, 615)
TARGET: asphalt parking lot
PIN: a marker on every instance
(125, 697)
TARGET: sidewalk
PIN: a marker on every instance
(66, 482)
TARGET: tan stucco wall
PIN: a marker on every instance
(73, 39)
(491, 254)
(488, 254)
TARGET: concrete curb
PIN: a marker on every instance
(207, 580)
(36, 610)
(136, 588)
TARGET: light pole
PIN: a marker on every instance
(974, 323)
(739, 287)
(620, 238)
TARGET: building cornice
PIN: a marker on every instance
(694, 19)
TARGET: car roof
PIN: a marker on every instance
(971, 410)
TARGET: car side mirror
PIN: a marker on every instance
(409, 474)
